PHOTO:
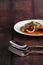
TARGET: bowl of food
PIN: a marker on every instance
(30, 27)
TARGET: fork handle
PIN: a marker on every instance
(36, 52)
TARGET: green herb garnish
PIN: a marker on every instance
(34, 23)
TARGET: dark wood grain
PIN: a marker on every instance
(27, 9)
(33, 58)
(12, 11)
(38, 8)
(22, 9)
(5, 55)
(5, 14)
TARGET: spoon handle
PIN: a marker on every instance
(36, 46)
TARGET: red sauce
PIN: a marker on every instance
(36, 32)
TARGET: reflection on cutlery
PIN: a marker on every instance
(16, 51)
(22, 49)
(22, 53)
(17, 45)
(22, 46)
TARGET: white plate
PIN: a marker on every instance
(21, 23)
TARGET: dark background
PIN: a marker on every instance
(12, 11)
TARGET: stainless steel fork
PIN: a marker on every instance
(23, 53)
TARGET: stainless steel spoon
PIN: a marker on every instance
(22, 46)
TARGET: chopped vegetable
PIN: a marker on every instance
(34, 23)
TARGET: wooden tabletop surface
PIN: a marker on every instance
(32, 59)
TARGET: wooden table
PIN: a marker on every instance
(8, 58)
(33, 59)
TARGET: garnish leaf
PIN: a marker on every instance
(34, 23)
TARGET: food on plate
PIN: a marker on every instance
(32, 27)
